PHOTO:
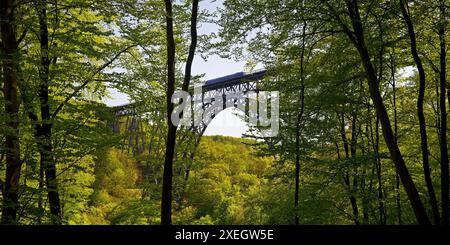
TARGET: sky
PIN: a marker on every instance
(225, 123)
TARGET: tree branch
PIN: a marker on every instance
(24, 33)
(193, 45)
(86, 82)
(345, 28)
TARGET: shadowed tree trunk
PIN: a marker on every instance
(381, 209)
(189, 160)
(350, 151)
(397, 179)
(421, 115)
(297, 126)
(443, 113)
(9, 51)
(166, 200)
(354, 187)
(45, 130)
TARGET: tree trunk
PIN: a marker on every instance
(381, 210)
(166, 202)
(297, 171)
(40, 196)
(397, 178)
(443, 112)
(365, 199)
(420, 100)
(297, 126)
(45, 141)
(9, 63)
(354, 187)
(349, 150)
(188, 168)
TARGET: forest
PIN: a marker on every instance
(364, 96)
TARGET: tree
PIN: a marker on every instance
(423, 132)
(166, 202)
(44, 131)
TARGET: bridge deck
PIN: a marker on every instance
(212, 84)
(232, 79)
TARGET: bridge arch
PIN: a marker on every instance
(229, 122)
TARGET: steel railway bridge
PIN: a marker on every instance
(218, 87)
(136, 122)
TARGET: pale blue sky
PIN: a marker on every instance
(225, 123)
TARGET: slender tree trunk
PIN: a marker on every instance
(349, 150)
(397, 178)
(421, 115)
(45, 141)
(188, 167)
(381, 210)
(362, 178)
(27, 99)
(297, 171)
(9, 62)
(166, 202)
(192, 46)
(354, 187)
(377, 166)
(443, 111)
(365, 205)
(365, 199)
(40, 193)
(357, 38)
(298, 124)
(2, 184)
